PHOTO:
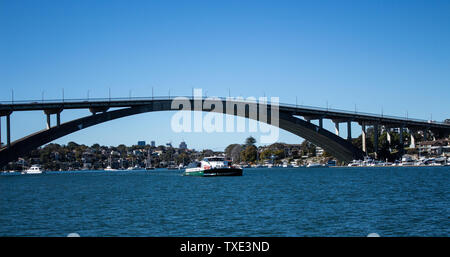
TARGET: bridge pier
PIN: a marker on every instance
(363, 136)
(8, 130)
(58, 119)
(401, 140)
(7, 114)
(375, 141)
(321, 123)
(388, 136)
(336, 127)
(413, 140)
(49, 112)
(48, 121)
(349, 131)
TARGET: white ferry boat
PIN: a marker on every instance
(34, 169)
(212, 166)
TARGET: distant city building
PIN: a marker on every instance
(183, 145)
(153, 144)
(141, 143)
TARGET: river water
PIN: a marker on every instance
(395, 201)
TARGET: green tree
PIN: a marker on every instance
(229, 150)
(266, 154)
(249, 154)
(250, 141)
(72, 145)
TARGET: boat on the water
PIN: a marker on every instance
(135, 167)
(109, 169)
(212, 166)
(355, 163)
(314, 165)
(34, 169)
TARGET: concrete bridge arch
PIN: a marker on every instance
(338, 147)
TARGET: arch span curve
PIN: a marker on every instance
(335, 145)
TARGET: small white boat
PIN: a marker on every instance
(136, 167)
(355, 163)
(109, 167)
(314, 165)
(34, 169)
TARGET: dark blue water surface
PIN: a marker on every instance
(396, 201)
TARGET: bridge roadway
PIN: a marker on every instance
(306, 111)
(289, 120)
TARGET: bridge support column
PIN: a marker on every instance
(375, 140)
(321, 123)
(401, 140)
(8, 131)
(413, 140)
(349, 131)
(336, 128)
(363, 136)
(48, 121)
(58, 119)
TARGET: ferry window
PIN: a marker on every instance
(215, 159)
(193, 165)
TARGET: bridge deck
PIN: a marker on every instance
(300, 110)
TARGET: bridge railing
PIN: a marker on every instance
(149, 98)
(378, 116)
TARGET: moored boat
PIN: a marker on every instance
(34, 169)
(314, 165)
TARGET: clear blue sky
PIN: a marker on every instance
(390, 55)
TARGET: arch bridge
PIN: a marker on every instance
(293, 118)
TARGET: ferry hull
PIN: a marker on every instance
(215, 172)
